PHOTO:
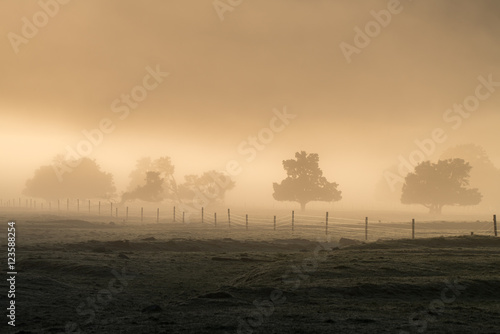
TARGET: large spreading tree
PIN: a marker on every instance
(208, 189)
(484, 174)
(435, 185)
(151, 191)
(305, 182)
(151, 180)
(86, 180)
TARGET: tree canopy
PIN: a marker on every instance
(484, 174)
(209, 188)
(151, 191)
(305, 182)
(86, 180)
(435, 185)
(151, 180)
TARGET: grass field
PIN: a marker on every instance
(92, 276)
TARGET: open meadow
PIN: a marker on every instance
(100, 276)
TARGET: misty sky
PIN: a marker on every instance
(226, 77)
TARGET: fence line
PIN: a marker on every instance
(329, 224)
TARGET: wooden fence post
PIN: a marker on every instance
(413, 228)
(246, 221)
(215, 219)
(183, 217)
(202, 214)
(366, 228)
(326, 223)
(293, 220)
(174, 213)
(99, 208)
(229, 217)
(116, 215)
(158, 215)
(111, 208)
(275, 223)
(495, 224)
(126, 214)
(142, 215)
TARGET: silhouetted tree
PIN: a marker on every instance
(435, 185)
(484, 174)
(138, 175)
(151, 191)
(208, 189)
(151, 180)
(86, 180)
(305, 182)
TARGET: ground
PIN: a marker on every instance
(93, 277)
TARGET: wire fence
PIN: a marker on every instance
(298, 225)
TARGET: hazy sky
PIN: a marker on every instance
(225, 78)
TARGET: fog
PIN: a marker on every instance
(228, 78)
